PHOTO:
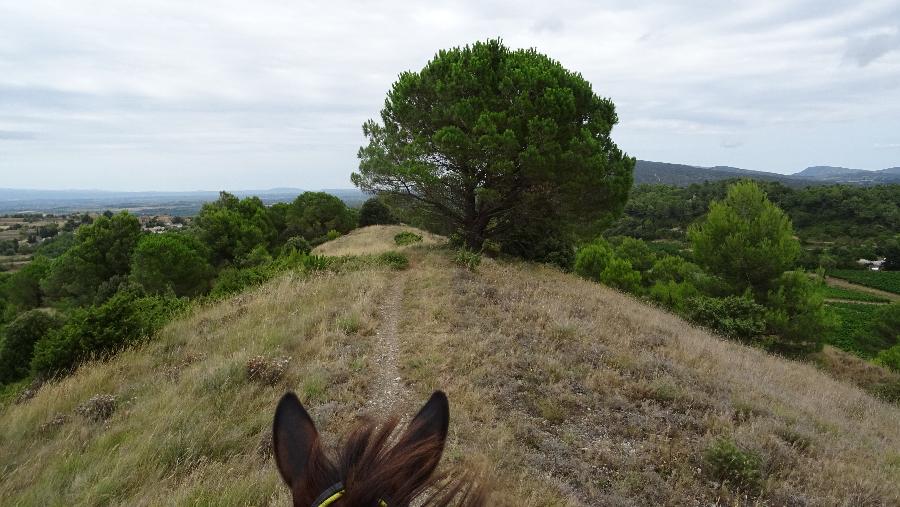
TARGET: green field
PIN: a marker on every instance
(852, 295)
(852, 333)
(884, 280)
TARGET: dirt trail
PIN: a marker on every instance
(388, 389)
(844, 284)
(854, 301)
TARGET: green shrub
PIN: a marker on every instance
(619, 274)
(395, 260)
(297, 244)
(490, 248)
(736, 317)
(592, 259)
(727, 463)
(18, 341)
(672, 268)
(467, 259)
(99, 330)
(232, 280)
(171, 262)
(637, 252)
(375, 212)
(259, 256)
(407, 238)
(674, 295)
(796, 314)
(332, 235)
(890, 358)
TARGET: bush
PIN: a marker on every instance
(17, 343)
(332, 235)
(297, 244)
(98, 408)
(98, 330)
(890, 358)
(539, 244)
(171, 262)
(267, 371)
(490, 248)
(407, 238)
(592, 259)
(637, 252)
(674, 295)
(23, 288)
(672, 268)
(727, 463)
(395, 260)
(375, 212)
(619, 274)
(232, 280)
(314, 215)
(599, 263)
(736, 317)
(467, 259)
(796, 314)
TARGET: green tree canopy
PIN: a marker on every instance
(745, 239)
(313, 214)
(23, 289)
(101, 251)
(375, 212)
(17, 343)
(484, 138)
(231, 228)
(171, 261)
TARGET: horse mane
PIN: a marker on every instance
(374, 464)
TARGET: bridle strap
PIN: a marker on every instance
(333, 493)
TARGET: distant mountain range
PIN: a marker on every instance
(188, 203)
(682, 175)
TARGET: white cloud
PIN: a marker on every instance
(273, 93)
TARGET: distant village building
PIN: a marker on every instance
(873, 265)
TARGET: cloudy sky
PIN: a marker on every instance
(182, 95)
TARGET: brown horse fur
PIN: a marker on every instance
(370, 468)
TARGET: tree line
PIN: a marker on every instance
(110, 283)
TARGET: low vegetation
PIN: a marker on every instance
(888, 281)
(566, 391)
(832, 292)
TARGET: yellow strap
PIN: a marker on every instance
(333, 498)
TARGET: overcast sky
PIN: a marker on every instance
(183, 95)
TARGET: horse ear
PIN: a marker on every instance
(433, 419)
(294, 439)
(426, 436)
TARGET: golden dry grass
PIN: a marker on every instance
(576, 394)
(564, 392)
(373, 239)
(190, 428)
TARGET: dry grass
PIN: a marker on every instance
(576, 394)
(566, 392)
(374, 239)
(189, 426)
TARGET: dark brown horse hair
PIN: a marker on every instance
(377, 463)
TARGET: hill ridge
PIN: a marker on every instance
(568, 392)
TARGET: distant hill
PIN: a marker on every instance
(682, 175)
(855, 176)
(13, 200)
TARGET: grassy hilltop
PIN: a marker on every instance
(564, 391)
